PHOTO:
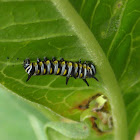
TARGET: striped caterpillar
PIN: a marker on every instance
(60, 67)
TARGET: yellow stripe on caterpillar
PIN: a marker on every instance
(88, 68)
(44, 71)
(75, 65)
(84, 66)
(63, 63)
(81, 75)
(40, 63)
(26, 68)
(65, 72)
(58, 70)
(38, 71)
(69, 64)
(51, 71)
(55, 62)
(35, 64)
(80, 65)
(47, 62)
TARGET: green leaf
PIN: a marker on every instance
(70, 129)
(53, 28)
(54, 135)
(19, 120)
(116, 26)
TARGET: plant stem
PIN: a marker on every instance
(103, 67)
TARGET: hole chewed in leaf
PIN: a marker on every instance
(97, 110)
(85, 104)
(94, 125)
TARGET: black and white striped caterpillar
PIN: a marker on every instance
(60, 67)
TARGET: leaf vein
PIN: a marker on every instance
(112, 42)
(37, 38)
(93, 13)
(45, 87)
(33, 22)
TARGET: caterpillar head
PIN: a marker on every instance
(26, 63)
(29, 68)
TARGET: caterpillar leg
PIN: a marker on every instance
(95, 78)
(67, 79)
(86, 82)
(74, 76)
(29, 76)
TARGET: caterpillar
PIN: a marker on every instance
(60, 67)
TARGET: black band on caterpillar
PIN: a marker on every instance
(60, 67)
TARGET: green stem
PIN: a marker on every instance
(103, 67)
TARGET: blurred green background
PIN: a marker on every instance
(19, 120)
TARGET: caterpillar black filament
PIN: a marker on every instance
(60, 67)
